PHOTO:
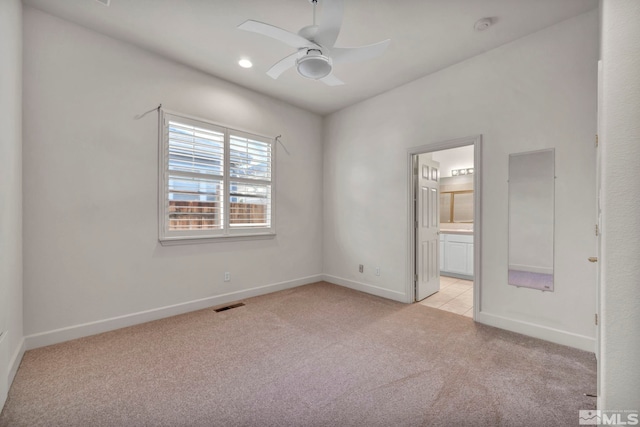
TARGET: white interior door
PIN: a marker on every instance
(427, 227)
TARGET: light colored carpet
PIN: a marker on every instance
(317, 355)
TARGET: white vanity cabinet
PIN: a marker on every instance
(456, 255)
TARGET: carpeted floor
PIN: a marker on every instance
(317, 355)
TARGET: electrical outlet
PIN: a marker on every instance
(377, 271)
(227, 276)
(361, 268)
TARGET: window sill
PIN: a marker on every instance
(217, 239)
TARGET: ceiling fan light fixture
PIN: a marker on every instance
(314, 40)
(314, 65)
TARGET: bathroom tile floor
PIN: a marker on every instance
(455, 295)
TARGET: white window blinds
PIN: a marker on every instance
(250, 186)
(195, 177)
(215, 182)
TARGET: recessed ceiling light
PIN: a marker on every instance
(245, 63)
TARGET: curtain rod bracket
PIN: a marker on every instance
(139, 116)
(277, 138)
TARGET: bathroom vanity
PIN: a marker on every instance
(456, 253)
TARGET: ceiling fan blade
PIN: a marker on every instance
(331, 80)
(282, 65)
(341, 55)
(330, 22)
(293, 40)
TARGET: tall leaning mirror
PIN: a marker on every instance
(531, 219)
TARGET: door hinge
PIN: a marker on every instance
(596, 319)
(415, 278)
(597, 230)
(597, 142)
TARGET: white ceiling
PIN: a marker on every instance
(426, 36)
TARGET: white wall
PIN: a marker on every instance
(537, 92)
(90, 187)
(10, 190)
(619, 364)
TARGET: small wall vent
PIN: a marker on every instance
(229, 307)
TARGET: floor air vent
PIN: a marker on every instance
(229, 307)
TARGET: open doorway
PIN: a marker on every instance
(445, 214)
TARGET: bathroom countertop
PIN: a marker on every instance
(454, 231)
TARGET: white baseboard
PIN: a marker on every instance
(557, 336)
(4, 368)
(364, 287)
(14, 362)
(92, 328)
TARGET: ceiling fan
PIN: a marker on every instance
(316, 54)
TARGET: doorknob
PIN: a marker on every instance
(593, 259)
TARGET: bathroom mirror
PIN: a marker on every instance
(531, 219)
(456, 206)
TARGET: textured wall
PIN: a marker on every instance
(10, 186)
(620, 132)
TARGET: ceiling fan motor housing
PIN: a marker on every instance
(314, 65)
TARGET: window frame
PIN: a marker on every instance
(226, 232)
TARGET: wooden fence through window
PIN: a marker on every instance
(191, 215)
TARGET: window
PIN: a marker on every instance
(215, 182)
